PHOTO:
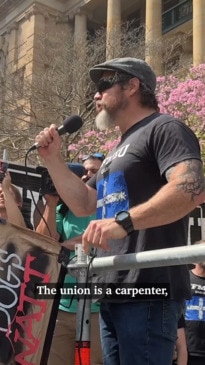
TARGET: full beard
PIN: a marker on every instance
(104, 120)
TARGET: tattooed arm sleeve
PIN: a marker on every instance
(189, 177)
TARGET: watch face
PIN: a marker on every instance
(122, 215)
(123, 218)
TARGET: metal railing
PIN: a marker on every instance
(154, 258)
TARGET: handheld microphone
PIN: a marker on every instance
(70, 125)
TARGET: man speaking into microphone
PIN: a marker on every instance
(144, 191)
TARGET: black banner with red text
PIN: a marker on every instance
(26, 259)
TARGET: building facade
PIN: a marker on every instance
(21, 21)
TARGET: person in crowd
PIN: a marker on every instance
(195, 315)
(65, 227)
(91, 163)
(145, 189)
(10, 202)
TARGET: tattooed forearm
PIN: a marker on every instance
(190, 177)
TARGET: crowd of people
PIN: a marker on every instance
(119, 206)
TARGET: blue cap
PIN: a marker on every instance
(77, 168)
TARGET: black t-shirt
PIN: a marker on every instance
(130, 175)
(181, 322)
(195, 317)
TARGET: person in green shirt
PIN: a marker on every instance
(65, 227)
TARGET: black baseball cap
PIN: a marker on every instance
(132, 66)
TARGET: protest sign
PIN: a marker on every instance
(26, 259)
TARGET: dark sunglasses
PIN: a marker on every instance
(96, 155)
(107, 83)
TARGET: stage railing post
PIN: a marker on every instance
(83, 314)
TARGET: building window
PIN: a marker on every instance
(180, 12)
(168, 4)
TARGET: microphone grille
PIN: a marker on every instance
(72, 124)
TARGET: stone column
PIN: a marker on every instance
(79, 66)
(198, 32)
(35, 49)
(80, 29)
(153, 35)
(113, 28)
(13, 45)
(80, 40)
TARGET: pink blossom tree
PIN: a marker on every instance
(184, 99)
(94, 141)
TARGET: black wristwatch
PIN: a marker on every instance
(123, 219)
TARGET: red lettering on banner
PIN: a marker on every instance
(29, 271)
(24, 298)
(32, 348)
(24, 323)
